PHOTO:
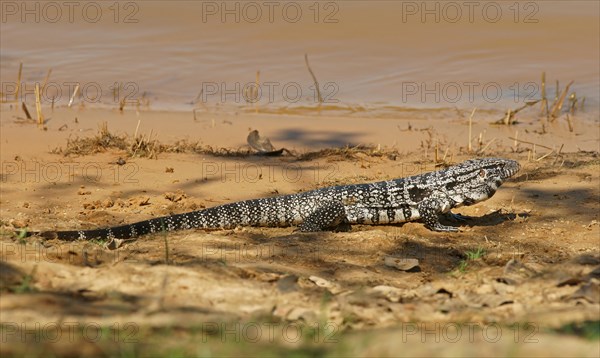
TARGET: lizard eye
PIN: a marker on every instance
(482, 173)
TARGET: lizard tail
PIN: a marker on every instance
(249, 212)
(128, 231)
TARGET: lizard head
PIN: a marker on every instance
(478, 179)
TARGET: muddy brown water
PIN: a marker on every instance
(381, 56)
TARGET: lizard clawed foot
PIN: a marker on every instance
(457, 217)
(443, 228)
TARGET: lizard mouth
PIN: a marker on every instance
(511, 168)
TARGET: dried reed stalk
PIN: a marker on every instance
(559, 102)
(19, 81)
(314, 79)
(255, 104)
(24, 106)
(38, 105)
(569, 123)
(73, 96)
(46, 80)
(526, 142)
(544, 104)
(469, 147)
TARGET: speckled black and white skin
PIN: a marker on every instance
(425, 197)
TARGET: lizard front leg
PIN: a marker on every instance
(430, 211)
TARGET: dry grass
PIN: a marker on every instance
(144, 146)
(150, 147)
(102, 141)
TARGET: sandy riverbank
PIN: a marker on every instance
(524, 264)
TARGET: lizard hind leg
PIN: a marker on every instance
(327, 216)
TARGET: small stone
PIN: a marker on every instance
(19, 223)
(175, 197)
(331, 286)
(287, 283)
(108, 203)
(403, 264)
(89, 206)
(144, 201)
(485, 289)
(392, 294)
